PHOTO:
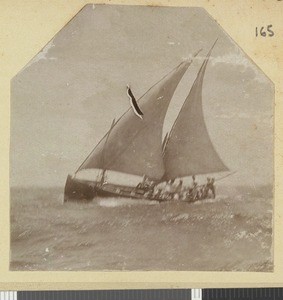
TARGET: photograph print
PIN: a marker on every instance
(141, 139)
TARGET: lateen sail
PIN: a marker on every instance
(189, 150)
(134, 145)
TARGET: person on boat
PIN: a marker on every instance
(206, 188)
(209, 188)
(178, 190)
(185, 195)
(168, 190)
(189, 192)
(145, 183)
(179, 186)
(157, 192)
(142, 183)
(212, 187)
(176, 197)
(195, 191)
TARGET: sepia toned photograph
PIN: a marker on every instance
(141, 139)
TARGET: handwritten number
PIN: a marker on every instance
(271, 32)
(264, 31)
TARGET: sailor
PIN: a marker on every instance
(212, 187)
(203, 191)
(146, 183)
(179, 187)
(195, 191)
(156, 192)
(168, 189)
(176, 196)
(185, 195)
(190, 189)
(142, 183)
(206, 188)
(178, 190)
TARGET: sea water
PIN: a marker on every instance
(230, 233)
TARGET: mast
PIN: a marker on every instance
(134, 145)
(189, 150)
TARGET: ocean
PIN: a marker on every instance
(230, 233)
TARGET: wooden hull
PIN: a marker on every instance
(85, 191)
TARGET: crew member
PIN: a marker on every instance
(210, 187)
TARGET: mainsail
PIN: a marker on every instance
(189, 150)
(134, 145)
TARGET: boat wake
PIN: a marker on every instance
(116, 202)
(216, 199)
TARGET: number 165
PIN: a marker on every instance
(264, 32)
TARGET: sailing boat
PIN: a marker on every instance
(133, 148)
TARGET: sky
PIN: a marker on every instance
(64, 100)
